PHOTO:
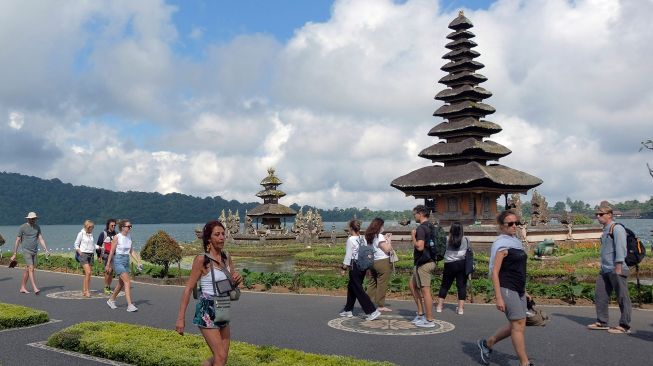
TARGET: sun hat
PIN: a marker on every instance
(31, 215)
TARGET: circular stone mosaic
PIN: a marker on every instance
(388, 325)
(77, 295)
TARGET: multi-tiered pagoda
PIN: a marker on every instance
(271, 212)
(465, 187)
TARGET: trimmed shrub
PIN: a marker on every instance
(16, 316)
(140, 345)
(161, 249)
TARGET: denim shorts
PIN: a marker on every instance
(120, 264)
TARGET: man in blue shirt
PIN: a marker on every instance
(614, 274)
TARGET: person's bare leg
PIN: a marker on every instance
(517, 331)
(499, 334)
(128, 291)
(416, 296)
(23, 282)
(440, 303)
(86, 284)
(218, 342)
(116, 291)
(32, 279)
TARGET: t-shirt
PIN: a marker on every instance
(378, 253)
(423, 232)
(512, 274)
(29, 237)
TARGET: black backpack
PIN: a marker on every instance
(437, 242)
(365, 259)
(635, 250)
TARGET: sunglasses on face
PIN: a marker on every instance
(128, 226)
(600, 214)
(510, 224)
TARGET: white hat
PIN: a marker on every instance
(31, 215)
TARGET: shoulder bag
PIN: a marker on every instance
(470, 265)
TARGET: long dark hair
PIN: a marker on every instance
(355, 226)
(106, 228)
(455, 235)
(373, 229)
(206, 235)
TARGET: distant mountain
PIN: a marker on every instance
(62, 203)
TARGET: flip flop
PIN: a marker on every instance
(619, 330)
(24, 292)
(598, 326)
(37, 292)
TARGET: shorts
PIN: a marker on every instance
(422, 275)
(86, 258)
(205, 313)
(515, 304)
(30, 258)
(121, 264)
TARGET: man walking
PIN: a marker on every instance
(29, 236)
(420, 284)
(614, 274)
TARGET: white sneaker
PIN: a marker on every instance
(112, 304)
(417, 318)
(438, 309)
(374, 315)
(459, 311)
(131, 308)
(346, 314)
(425, 324)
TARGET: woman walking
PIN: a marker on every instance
(355, 286)
(104, 242)
(121, 250)
(209, 269)
(382, 269)
(508, 269)
(454, 268)
(85, 247)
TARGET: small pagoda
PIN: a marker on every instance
(464, 187)
(271, 212)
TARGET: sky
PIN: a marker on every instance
(201, 97)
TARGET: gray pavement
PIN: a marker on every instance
(300, 322)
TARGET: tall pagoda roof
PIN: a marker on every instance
(467, 148)
(271, 210)
(471, 177)
(270, 193)
(271, 179)
(464, 127)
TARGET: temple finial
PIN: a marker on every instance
(461, 13)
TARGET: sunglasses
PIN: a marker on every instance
(600, 214)
(510, 224)
(128, 226)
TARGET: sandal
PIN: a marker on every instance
(619, 330)
(598, 326)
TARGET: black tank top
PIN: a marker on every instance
(512, 274)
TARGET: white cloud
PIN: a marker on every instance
(340, 110)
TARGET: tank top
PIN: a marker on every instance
(206, 282)
(124, 244)
(512, 274)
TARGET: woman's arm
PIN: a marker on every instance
(498, 259)
(385, 245)
(195, 273)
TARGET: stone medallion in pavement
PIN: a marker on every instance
(77, 295)
(388, 325)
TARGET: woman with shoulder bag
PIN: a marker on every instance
(211, 270)
(454, 267)
(382, 269)
(84, 248)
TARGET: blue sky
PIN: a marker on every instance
(201, 97)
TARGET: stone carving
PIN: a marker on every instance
(249, 225)
(540, 209)
(514, 204)
(223, 218)
(308, 226)
(333, 234)
(404, 222)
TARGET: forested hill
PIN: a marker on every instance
(62, 203)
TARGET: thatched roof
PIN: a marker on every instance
(461, 42)
(271, 193)
(465, 127)
(462, 93)
(461, 78)
(271, 209)
(472, 176)
(465, 108)
(460, 53)
(465, 33)
(461, 22)
(462, 65)
(469, 148)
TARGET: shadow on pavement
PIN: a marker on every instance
(48, 288)
(5, 279)
(642, 334)
(582, 320)
(139, 302)
(499, 358)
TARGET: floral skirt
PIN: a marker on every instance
(212, 312)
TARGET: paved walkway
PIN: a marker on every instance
(301, 322)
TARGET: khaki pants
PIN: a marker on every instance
(378, 281)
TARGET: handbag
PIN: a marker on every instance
(470, 265)
(227, 285)
(394, 258)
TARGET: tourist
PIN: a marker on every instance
(508, 269)
(29, 237)
(104, 242)
(420, 283)
(121, 250)
(85, 246)
(355, 289)
(382, 270)
(454, 267)
(613, 276)
(212, 267)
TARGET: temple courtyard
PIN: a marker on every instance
(310, 323)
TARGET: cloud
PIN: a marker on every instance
(340, 109)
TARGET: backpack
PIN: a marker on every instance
(437, 242)
(365, 258)
(635, 250)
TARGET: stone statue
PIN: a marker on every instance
(404, 222)
(249, 226)
(514, 205)
(236, 226)
(333, 234)
(223, 218)
(540, 210)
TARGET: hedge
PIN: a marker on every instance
(141, 345)
(16, 316)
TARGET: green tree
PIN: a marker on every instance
(161, 249)
(648, 145)
(559, 206)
